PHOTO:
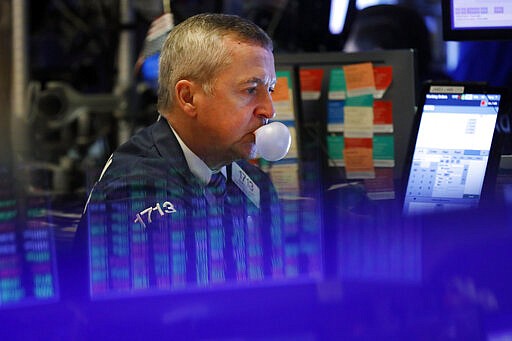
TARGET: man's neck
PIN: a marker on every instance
(197, 166)
(190, 138)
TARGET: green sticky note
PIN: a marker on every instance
(360, 101)
(286, 74)
(337, 80)
(335, 146)
(383, 147)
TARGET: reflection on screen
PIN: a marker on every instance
(381, 250)
(28, 272)
(198, 249)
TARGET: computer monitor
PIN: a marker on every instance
(476, 20)
(455, 149)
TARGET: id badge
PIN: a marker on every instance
(245, 183)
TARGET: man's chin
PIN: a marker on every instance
(249, 151)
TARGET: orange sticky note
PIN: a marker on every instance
(358, 159)
(281, 91)
(359, 79)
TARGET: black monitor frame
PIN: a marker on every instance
(451, 33)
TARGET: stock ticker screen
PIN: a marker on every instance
(28, 265)
(197, 250)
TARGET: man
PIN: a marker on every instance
(152, 213)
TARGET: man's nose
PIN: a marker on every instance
(265, 107)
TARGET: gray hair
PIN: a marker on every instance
(194, 50)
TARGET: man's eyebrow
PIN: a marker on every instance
(271, 83)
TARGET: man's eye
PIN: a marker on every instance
(251, 90)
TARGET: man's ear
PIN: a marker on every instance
(185, 91)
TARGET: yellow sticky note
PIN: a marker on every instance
(358, 121)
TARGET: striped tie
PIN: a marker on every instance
(216, 188)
